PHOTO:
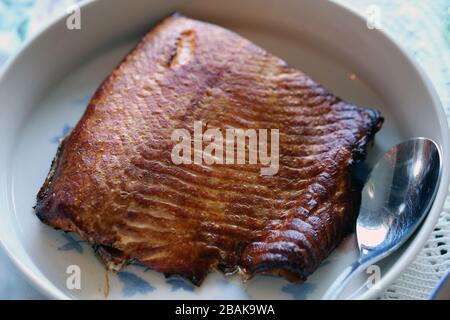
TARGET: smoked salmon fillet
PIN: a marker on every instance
(114, 183)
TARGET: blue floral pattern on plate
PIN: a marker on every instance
(179, 284)
(299, 291)
(83, 101)
(64, 132)
(72, 244)
(133, 284)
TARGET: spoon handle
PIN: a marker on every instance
(345, 277)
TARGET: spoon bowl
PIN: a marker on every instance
(395, 199)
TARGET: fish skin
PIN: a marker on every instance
(113, 182)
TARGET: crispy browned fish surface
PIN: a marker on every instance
(113, 181)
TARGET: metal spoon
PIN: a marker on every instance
(395, 199)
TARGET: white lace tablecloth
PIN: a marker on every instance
(422, 27)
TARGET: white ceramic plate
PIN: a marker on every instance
(44, 91)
